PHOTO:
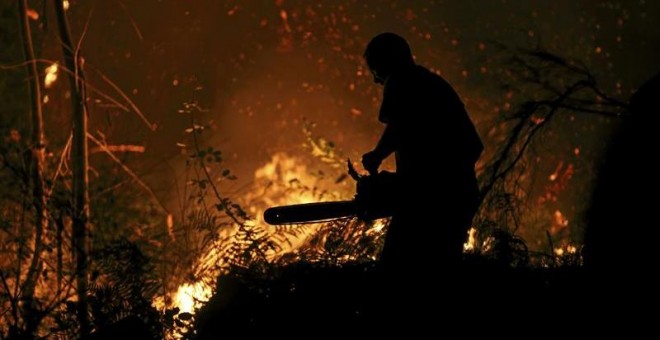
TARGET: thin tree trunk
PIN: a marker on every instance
(37, 156)
(58, 246)
(80, 165)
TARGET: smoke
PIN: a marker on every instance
(266, 68)
(286, 94)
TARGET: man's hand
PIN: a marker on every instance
(371, 162)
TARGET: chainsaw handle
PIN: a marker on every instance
(352, 172)
(355, 175)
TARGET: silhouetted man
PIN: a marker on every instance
(436, 146)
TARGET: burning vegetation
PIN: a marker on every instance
(160, 220)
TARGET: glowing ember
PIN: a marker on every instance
(378, 226)
(285, 20)
(471, 243)
(51, 75)
(32, 14)
(568, 250)
(559, 223)
(560, 219)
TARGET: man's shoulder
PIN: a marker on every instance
(410, 79)
(433, 77)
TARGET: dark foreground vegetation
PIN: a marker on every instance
(361, 298)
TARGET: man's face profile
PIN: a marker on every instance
(378, 79)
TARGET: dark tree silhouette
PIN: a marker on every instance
(37, 158)
(553, 86)
(80, 162)
(619, 251)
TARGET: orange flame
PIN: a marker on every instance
(284, 180)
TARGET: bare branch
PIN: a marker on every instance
(133, 23)
(38, 160)
(151, 126)
(119, 148)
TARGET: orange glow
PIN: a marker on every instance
(559, 223)
(189, 296)
(32, 14)
(285, 20)
(284, 180)
(288, 180)
(567, 250)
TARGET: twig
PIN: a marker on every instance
(83, 34)
(130, 17)
(128, 171)
(67, 146)
(208, 177)
(119, 148)
(12, 299)
(151, 126)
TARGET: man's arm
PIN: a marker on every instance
(386, 145)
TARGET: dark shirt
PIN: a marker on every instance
(435, 140)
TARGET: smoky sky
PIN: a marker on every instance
(268, 64)
(263, 68)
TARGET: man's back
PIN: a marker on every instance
(436, 148)
(432, 126)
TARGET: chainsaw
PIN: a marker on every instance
(374, 198)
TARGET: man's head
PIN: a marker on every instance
(387, 53)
